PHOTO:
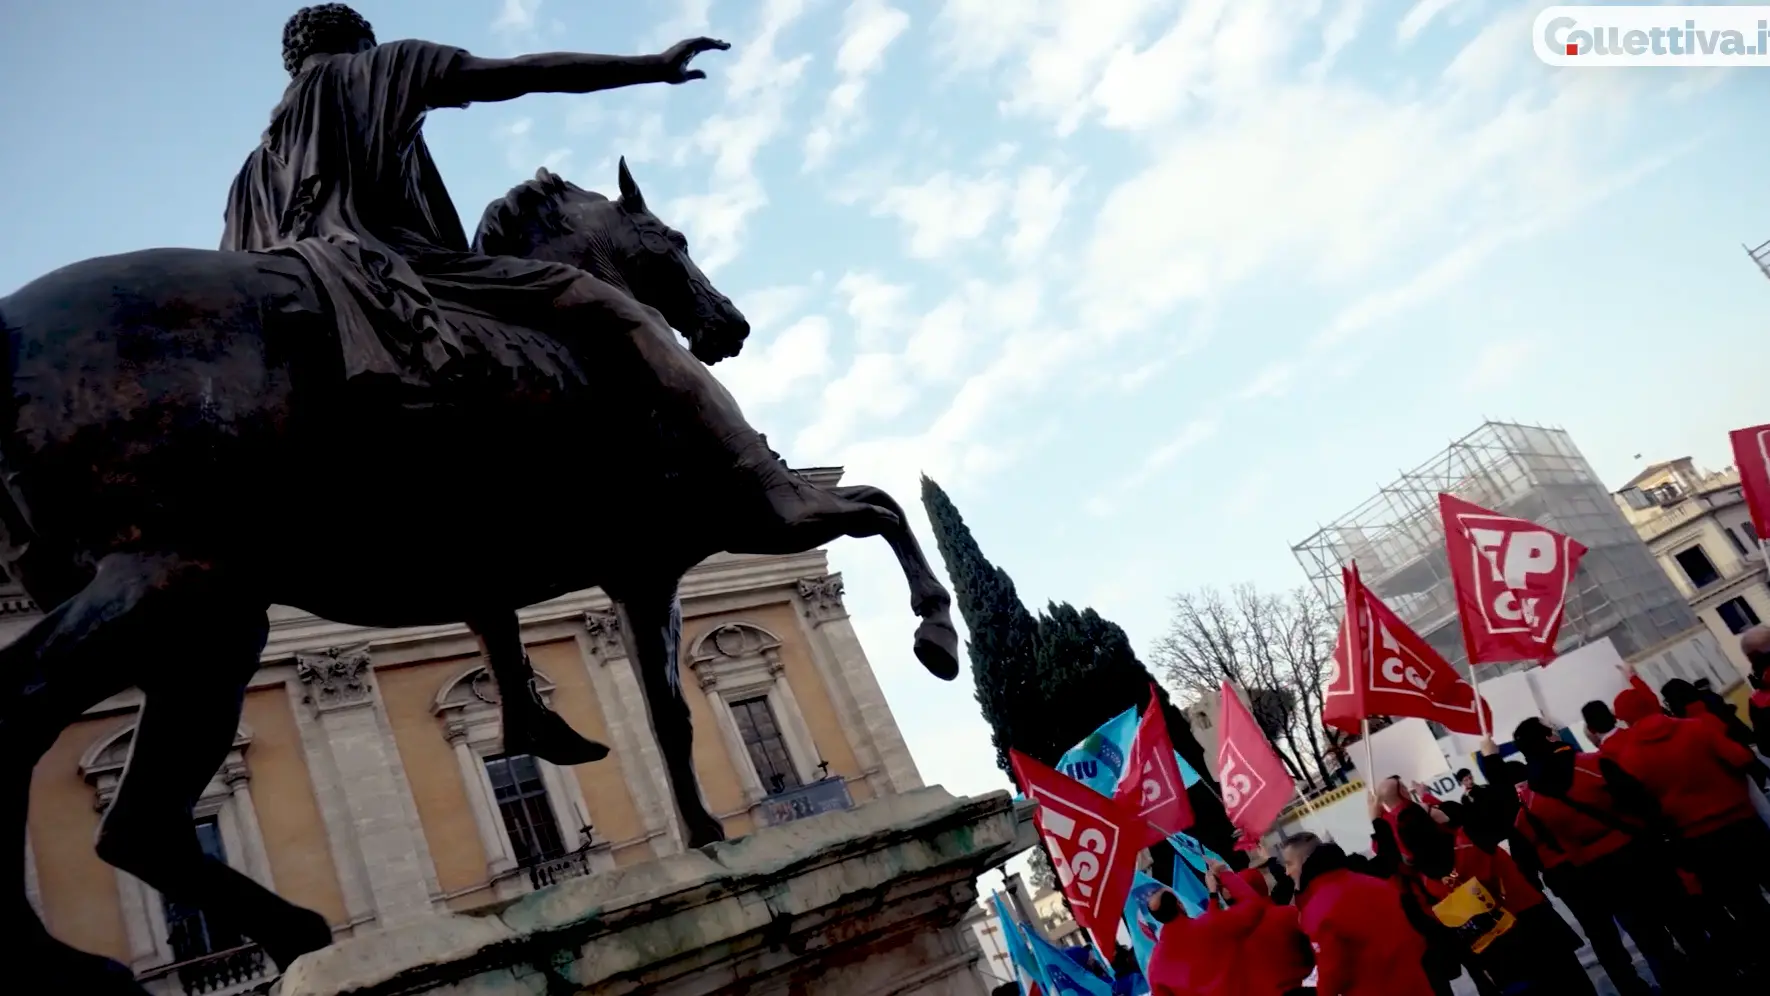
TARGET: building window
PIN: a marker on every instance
(1750, 531)
(1733, 537)
(1737, 614)
(189, 933)
(522, 802)
(1697, 567)
(768, 748)
(1637, 499)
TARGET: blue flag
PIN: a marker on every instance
(1139, 922)
(1026, 967)
(1189, 888)
(1063, 976)
(1196, 854)
(1099, 760)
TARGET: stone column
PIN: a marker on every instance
(236, 778)
(339, 688)
(485, 810)
(854, 685)
(634, 745)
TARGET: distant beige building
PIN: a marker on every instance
(1698, 528)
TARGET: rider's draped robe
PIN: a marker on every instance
(343, 179)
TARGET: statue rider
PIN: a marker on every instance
(343, 179)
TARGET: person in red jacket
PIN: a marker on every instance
(1695, 778)
(1266, 952)
(1185, 961)
(1756, 646)
(1603, 863)
(1364, 944)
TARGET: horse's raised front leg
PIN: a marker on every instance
(937, 641)
(651, 627)
(529, 726)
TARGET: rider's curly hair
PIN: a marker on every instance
(322, 29)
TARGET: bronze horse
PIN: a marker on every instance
(179, 452)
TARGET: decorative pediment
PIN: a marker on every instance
(475, 688)
(732, 647)
(102, 764)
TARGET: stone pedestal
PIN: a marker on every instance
(865, 902)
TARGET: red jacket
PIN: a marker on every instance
(1695, 772)
(1252, 948)
(1573, 835)
(1364, 944)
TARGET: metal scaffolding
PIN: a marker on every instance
(1532, 472)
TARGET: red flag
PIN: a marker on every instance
(1512, 577)
(1342, 701)
(1256, 786)
(1152, 785)
(1751, 454)
(1394, 673)
(1093, 843)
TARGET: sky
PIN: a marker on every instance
(1152, 288)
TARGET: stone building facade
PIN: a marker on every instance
(368, 780)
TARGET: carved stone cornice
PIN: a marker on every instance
(822, 597)
(335, 678)
(455, 733)
(235, 775)
(604, 627)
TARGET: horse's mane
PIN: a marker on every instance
(528, 215)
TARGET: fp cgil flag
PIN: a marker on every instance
(1255, 785)
(1511, 576)
(1093, 842)
(1751, 454)
(1383, 668)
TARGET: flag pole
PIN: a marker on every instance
(1480, 713)
(1370, 763)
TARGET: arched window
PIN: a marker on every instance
(739, 666)
(531, 816)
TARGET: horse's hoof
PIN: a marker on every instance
(304, 931)
(549, 737)
(937, 647)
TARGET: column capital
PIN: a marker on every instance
(335, 678)
(604, 627)
(822, 597)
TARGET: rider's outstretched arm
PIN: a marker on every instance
(475, 80)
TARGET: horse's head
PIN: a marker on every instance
(619, 241)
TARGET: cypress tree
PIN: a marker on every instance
(1045, 683)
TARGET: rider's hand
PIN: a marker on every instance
(677, 57)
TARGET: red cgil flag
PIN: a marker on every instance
(1152, 785)
(1751, 454)
(1383, 668)
(1256, 786)
(1512, 578)
(1093, 842)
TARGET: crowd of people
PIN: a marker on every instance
(1655, 835)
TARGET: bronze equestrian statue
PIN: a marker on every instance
(366, 418)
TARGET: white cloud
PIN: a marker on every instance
(874, 305)
(1496, 363)
(516, 17)
(1040, 198)
(759, 85)
(1419, 17)
(763, 376)
(876, 387)
(868, 29)
(1191, 434)
(944, 210)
